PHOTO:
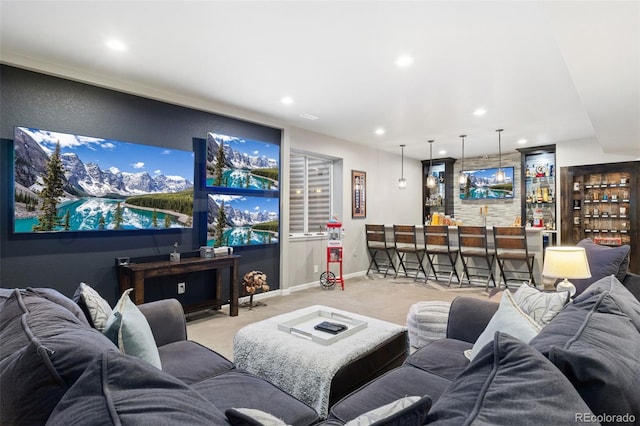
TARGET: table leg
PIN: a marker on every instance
(138, 289)
(218, 288)
(235, 289)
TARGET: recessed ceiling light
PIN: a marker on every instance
(404, 61)
(287, 100)
(309, 116)
(522, 141)
(442, 152)
(116, 45)
(479, 112)
(379, 131)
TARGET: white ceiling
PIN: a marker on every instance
(545, 71)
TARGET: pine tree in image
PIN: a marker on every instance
(221, 221)
(52, 190)
(117, 217)
(220, 161)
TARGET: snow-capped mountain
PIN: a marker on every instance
(237, 217)
(235, 159)
(87, 179)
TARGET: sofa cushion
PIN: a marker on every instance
(542, 306)
(241, 389)
(596, 345)
(191, 362)
(119, 389)
(129, 329)
(509, 318)
(251, 417)
(45, 348)
(410, 410)
(508, 383)
(395, 384)
(603, 261)
(95, 308)
(444, 358)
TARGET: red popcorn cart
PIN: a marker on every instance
(328, 279)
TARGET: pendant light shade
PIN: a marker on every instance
(402, 182)
(431, 180)
(462, 178)
(500, 174)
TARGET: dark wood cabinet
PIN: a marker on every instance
(439, 199)
(601, 202)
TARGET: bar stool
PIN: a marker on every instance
(380, 251)
(405, 241)
(511, 245)
(436, 243)
(472, 243)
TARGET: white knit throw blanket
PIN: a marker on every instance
(299, 366)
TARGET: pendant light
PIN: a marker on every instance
(431, 180)
(500, 174)
(402, 182)
(462, 178)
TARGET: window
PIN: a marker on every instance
(310, 193)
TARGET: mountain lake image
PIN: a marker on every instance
(238, 220)
(242, 163)
(66, 182)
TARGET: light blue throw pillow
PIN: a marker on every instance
(509, 319)
(128, 328)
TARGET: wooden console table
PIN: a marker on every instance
(134, 274)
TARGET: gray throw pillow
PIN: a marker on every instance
(117, 389)
(542, 306)
(603, 261)
(596, 345)
(508, 383)
(44, 350)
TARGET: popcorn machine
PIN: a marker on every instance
(334, 255)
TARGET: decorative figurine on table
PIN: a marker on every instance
(175, 256)
(252, 282)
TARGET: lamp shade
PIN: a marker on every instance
(566, 262)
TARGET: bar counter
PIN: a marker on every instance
(534, 244)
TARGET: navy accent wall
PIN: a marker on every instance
(62, 261)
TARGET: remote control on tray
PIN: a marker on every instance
(330, 327)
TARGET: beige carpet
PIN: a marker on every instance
(386, 299)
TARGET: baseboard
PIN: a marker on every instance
(295, 288)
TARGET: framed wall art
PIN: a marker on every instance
(358, 194)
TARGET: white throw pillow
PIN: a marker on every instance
(93, 305)
(407, 410)
(539, 305)
(128, 328)
(510, 319)
(251, 416)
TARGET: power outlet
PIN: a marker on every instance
(182, 287)
(315, 269)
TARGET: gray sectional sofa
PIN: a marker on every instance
(56, 369)
(583, 367)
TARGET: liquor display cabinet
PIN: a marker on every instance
(600, 202)
(440, 198)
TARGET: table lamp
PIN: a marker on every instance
(566, 262)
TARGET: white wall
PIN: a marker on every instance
(386, 204)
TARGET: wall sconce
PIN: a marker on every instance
(500, 174)
(431, 180)
(402, 182)
(462, 178)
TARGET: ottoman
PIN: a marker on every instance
(426, 322)
(319, 374)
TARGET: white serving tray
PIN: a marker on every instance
(302, 326)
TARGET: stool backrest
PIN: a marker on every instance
(510, 237)
(404, 235)
(376, 234)
(436, 235)
(472, 236)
